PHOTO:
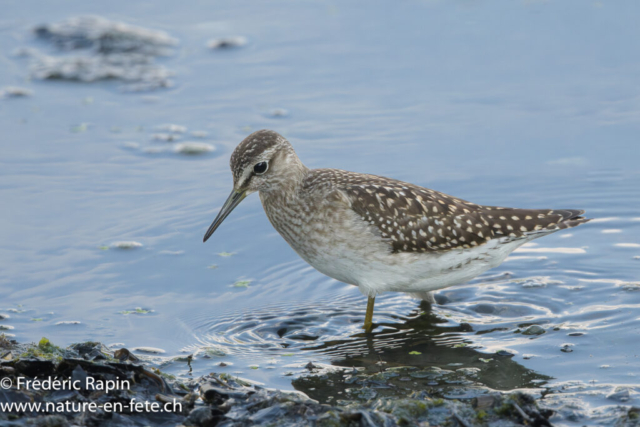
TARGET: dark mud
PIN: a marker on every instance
(389, 397)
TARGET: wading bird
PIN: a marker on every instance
(378, 233)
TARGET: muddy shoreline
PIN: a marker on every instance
(106, 382)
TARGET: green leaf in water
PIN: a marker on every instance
(103, 248)
(82, 127)
(460, 345)
(287, 354)
(254, 366)
(485, 360)
(36, 319)
(212, 267)
(414, 352)
(137, 310)
(242, 284)
(215, 352)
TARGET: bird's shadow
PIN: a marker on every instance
(423, 353)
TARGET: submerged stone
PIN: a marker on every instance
(630, 286)
(138, 71)
(126, 245)
(620, 394)
(105, 36)
(151, 350)
(227, 42)
(199, 134)
(534, 330)
(279, 112)
(165, 137)
(566, 348)
(172, 128)
(15, 92)
(485, 309)
(193, 148)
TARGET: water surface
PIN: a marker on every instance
(528, 104)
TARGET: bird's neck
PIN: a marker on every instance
(288, 180)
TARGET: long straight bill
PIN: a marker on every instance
(233, 200)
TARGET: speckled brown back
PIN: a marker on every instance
(416, 219)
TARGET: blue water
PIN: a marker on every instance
(527, 104)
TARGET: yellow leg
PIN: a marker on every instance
(368, 318)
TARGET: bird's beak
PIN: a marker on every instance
(233, 200)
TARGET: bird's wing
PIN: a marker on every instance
(416, 219)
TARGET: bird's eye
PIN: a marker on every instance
(260, 168)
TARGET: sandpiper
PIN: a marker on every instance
(378, 233)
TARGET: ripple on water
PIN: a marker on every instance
(627, 245)
(423, 338)
(278, 327)
(496, 305)
(554, 250)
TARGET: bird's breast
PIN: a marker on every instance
(327, 234)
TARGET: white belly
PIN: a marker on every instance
(375, 272)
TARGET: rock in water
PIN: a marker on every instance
(105, 37)
(109, 50)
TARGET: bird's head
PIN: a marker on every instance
(264, 161)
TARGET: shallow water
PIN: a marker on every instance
(528, 104)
